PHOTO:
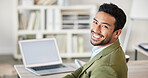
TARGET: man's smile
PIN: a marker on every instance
(96, 36)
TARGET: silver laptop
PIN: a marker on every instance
(41, 57)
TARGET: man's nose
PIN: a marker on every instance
(97, 29)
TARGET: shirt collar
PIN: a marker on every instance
(95, 50)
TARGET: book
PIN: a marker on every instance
(57, 19)
(23, 21)
(31, 20)
(61, 41)
(30, 37)
(41, 2)
(75, 43)
(36, 1)
(68, 21)
(83, 25)
(27, 2)
(83, 21)
(49, 19)
(67, 25)
(46, 2)
(49, 2)
(80, 44)
(25, 37)
(60, 2)
(21, 37)
(66, 2)
(37, 20)
(63, 2)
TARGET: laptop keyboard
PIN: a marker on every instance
(48, 67)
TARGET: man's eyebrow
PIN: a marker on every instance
(95, 19)
(103, 22)
(106, 23)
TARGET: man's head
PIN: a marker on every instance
(107, 25)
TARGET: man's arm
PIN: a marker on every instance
(104, 72)
(74, 74)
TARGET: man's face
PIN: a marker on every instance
(102, 29)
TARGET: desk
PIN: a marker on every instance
(136, 69)
(138, 49)
(23, 73)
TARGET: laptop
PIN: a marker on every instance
(41, 57)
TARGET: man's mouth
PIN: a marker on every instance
(96, 36)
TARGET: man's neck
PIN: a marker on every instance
(101, 46)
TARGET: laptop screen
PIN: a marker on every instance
(40, 51)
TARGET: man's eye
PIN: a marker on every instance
(104, 26)
(95, 22)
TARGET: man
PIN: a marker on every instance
(108, 59)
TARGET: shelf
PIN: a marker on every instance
(48, 21)
(78, 21)
(64, 31)
(36, 7)
(78, 7)
(73, 55)
(23, 32)
(72, 31)
(74, 7)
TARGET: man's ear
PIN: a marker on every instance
(117, 33)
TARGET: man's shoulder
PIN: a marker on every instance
(112, 58)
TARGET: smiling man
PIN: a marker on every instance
(108, 59)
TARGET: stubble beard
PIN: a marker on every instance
(101, 43)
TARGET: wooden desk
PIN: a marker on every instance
(23, 73)
(136, 69)
(138, 49)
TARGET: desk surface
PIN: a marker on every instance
(140, 50)
(136, 69)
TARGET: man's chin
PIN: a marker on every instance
(95, 43)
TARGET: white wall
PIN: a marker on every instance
(6, 26)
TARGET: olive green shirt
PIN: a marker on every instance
(109, 63)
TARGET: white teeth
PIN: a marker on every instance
(96, 36)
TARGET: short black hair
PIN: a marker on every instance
(116, 12)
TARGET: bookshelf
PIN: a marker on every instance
(68, 24)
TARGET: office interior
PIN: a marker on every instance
(136, 35)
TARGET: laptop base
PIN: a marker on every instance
(52, 71)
